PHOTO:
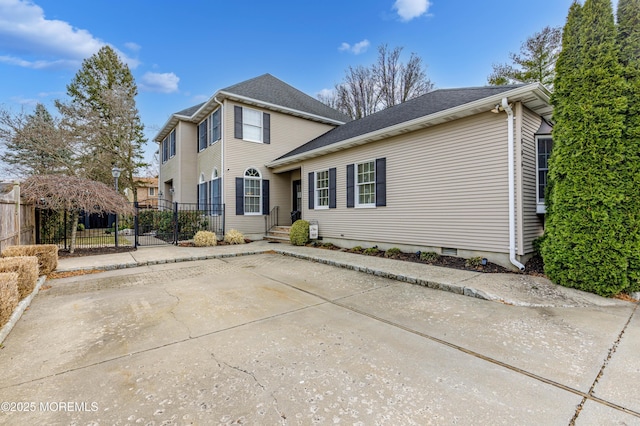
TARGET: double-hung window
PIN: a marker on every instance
(215, 126)
(322, 189)
(203, 135)
(544, 145)
(172, 143)
(165, 149)
(366, 184)
(252, 125)
(252, 192)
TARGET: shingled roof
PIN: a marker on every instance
(271, 90)
(425, 105)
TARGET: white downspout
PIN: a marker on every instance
(221, 148)
(512, 200)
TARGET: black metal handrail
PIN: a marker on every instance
(271, 219)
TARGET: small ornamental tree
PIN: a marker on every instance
(588, 243)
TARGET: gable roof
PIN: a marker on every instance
(265, 91)
(433, 108)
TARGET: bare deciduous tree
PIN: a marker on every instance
(386, 83)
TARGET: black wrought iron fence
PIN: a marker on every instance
(166, 223)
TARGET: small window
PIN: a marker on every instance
(252, 125)
(202, 135)
(322, 189)
(152, 192)
(215, 127)
(544, 147)
(252, 192)
(165, 149)
(366, 184)
(172, 143)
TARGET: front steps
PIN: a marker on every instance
(279, 234)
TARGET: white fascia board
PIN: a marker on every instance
(170, 124)
(422, 122)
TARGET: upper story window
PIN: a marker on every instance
(203, 135)
(216, 134)
(152, 192)
(172, 143)
(251, 125)
(252, 192)
(322, 189)
(165, 149)
(544, 146)
(366, 184)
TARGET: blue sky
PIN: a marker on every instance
(180, 53)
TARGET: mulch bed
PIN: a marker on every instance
(79, 252)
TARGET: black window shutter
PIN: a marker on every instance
(237, 122)
(198, 138)
(266, 127)
(239, 196)
(350, 184)
(332, 188)
(265, 196)
(311, 190)
(381, 182)
(198, 196)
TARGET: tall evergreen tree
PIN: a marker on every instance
(628, 14)
(587, 244)
(102, 110)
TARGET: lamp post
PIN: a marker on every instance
(115, 172)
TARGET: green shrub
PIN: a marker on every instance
(394, 251)
(473, 262)
(80, 227)
(429, 256)
(299, 234)
(328, 245)
(234, 236)
(537, 244)
(357, 248)
(205, 239)
(371, 251)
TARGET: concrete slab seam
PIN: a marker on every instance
(22, 306)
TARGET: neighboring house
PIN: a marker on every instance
(431, 174)
(147, 190)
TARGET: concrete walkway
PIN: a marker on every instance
(513, 289)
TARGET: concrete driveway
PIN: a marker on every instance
(270, 339)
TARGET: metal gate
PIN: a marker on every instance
(166, 223)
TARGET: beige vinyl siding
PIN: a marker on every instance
(208, 159)
(446, 187)
(287, 133)
(180, 167)
(533, 223)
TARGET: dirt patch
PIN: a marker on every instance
(67, 274)
(79, 252)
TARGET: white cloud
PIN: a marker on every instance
(356, 49)
(410, 9)
(159, 82)
(326, 93)
(36, 42)
(134, 47)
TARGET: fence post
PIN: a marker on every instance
(16, 196)
(135, 224)
(175, 222)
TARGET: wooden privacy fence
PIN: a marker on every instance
(17, 220)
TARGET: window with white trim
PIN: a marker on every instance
(322, 189)
(365, 187)
(544, 145)
(203, 138)
(252, 192)
(165, 149)
(172, 143)
(152, 192)
(215, 127)
(251, 125)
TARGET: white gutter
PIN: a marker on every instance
(512, 201)
(221, 147)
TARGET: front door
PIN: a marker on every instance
(296, 211)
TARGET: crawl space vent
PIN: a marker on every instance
(448, 251)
